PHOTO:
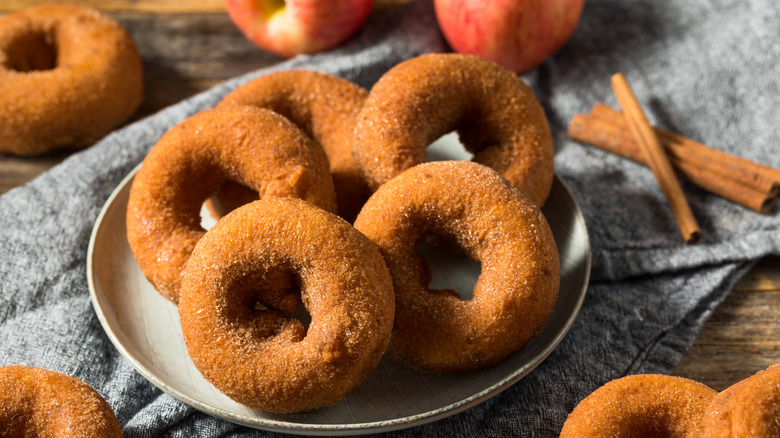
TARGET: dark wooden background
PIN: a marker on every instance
(188, 46)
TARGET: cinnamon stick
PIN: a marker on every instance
(761, 178)
(613, 136)
(656, 158)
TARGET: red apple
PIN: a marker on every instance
(517, 34)
(291, 27)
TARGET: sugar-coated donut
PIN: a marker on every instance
(37, 402)
(748, 408)
(325, 107)
(255, 147)
(496, 224)
(256, 354)
(68, 76)
(643, 405)
(496, 115)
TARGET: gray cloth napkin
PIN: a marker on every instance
(708, 70)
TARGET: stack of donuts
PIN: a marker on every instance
(667, 406)
(322, 191)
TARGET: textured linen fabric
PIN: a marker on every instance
(707, 68)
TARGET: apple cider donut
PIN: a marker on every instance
(68, 76)
(496, 224)
(38, 402)
(749, 408)
(255, 147)
(325, 107)
(643, 405)
(496, 115)
(259, 356)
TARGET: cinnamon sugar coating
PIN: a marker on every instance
(325, 107)
(748, 408)
(38, 402)
(645, 405)
(68, 76)
(496, 224)
(257, 354)
(255, 147)
(496, 115)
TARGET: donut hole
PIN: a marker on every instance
(32, 51)
(448, 147)
(288, 301)
(18, 420)
(303, 316)
(264, 301)
(451, 268)
(659, 422)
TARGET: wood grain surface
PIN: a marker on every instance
(189, 46)
(145, 6)
(743, 334)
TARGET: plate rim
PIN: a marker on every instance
(329, 429)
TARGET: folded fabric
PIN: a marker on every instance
(707, 70)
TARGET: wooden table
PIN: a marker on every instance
(189, 46)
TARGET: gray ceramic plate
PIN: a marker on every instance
(144, 327)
